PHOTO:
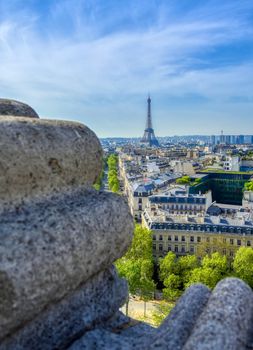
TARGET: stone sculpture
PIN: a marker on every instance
(58, 241)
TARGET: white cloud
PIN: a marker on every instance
(87, 71)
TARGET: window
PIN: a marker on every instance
(191, 249)
(160, 247)
(140, 201)
(176, 238)
(160, 238)
(183, 249)
(192, 238)
(208, 239)
(154, 237)
(176, 248)
(154, 246)
(224, 251)
(198, 239)
(183, 238)
(169, 238)
(169, 248)
(231, 241)
(239, 242)
(248, 243)
(231, 253)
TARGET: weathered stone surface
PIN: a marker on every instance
(16, 109)
(119, 332)
(176, 328)
(49, 248)
(227, 319)
(100, 338)
(200, 320)
(41, 156)
(61, 323)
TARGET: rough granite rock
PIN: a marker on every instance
(41, 156)
(16, 108)
(49, 248)
(172, 334)
(119, 332)
(221, 320)
(61, 323)
(58, 240)
(176, 328)
(227, 319)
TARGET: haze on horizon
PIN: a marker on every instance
(95, 61)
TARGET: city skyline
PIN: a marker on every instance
(96, 62)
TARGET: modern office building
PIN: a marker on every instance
(227, 187)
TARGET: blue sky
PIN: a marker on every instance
(95, 61)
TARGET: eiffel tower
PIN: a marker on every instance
(149, 136)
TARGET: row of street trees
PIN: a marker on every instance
(113, 180)
(97, 185)
(176, 274)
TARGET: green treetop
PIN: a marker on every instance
(184, 180)
(213, 269)
(137, 265)
(243, 264)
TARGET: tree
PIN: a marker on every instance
(184, 180)
(141, 246)
(186, 265)
(213, 269)
(243, 264)
(147, 285)
(248, 186)
(115, 187)
(98, 182)
(216, 261)
(221, 246)
(168, 265)
(113, 180)
(137, 266)
(175, 272)
(112, 161)
(206, 275)
(130, 270)
(173, 284)
(197, 181)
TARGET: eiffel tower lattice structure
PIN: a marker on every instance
(149, 135)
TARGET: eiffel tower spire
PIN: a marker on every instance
(149, 136)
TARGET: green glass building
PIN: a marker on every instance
(227, 187)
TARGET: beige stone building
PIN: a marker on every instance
(186, 228)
